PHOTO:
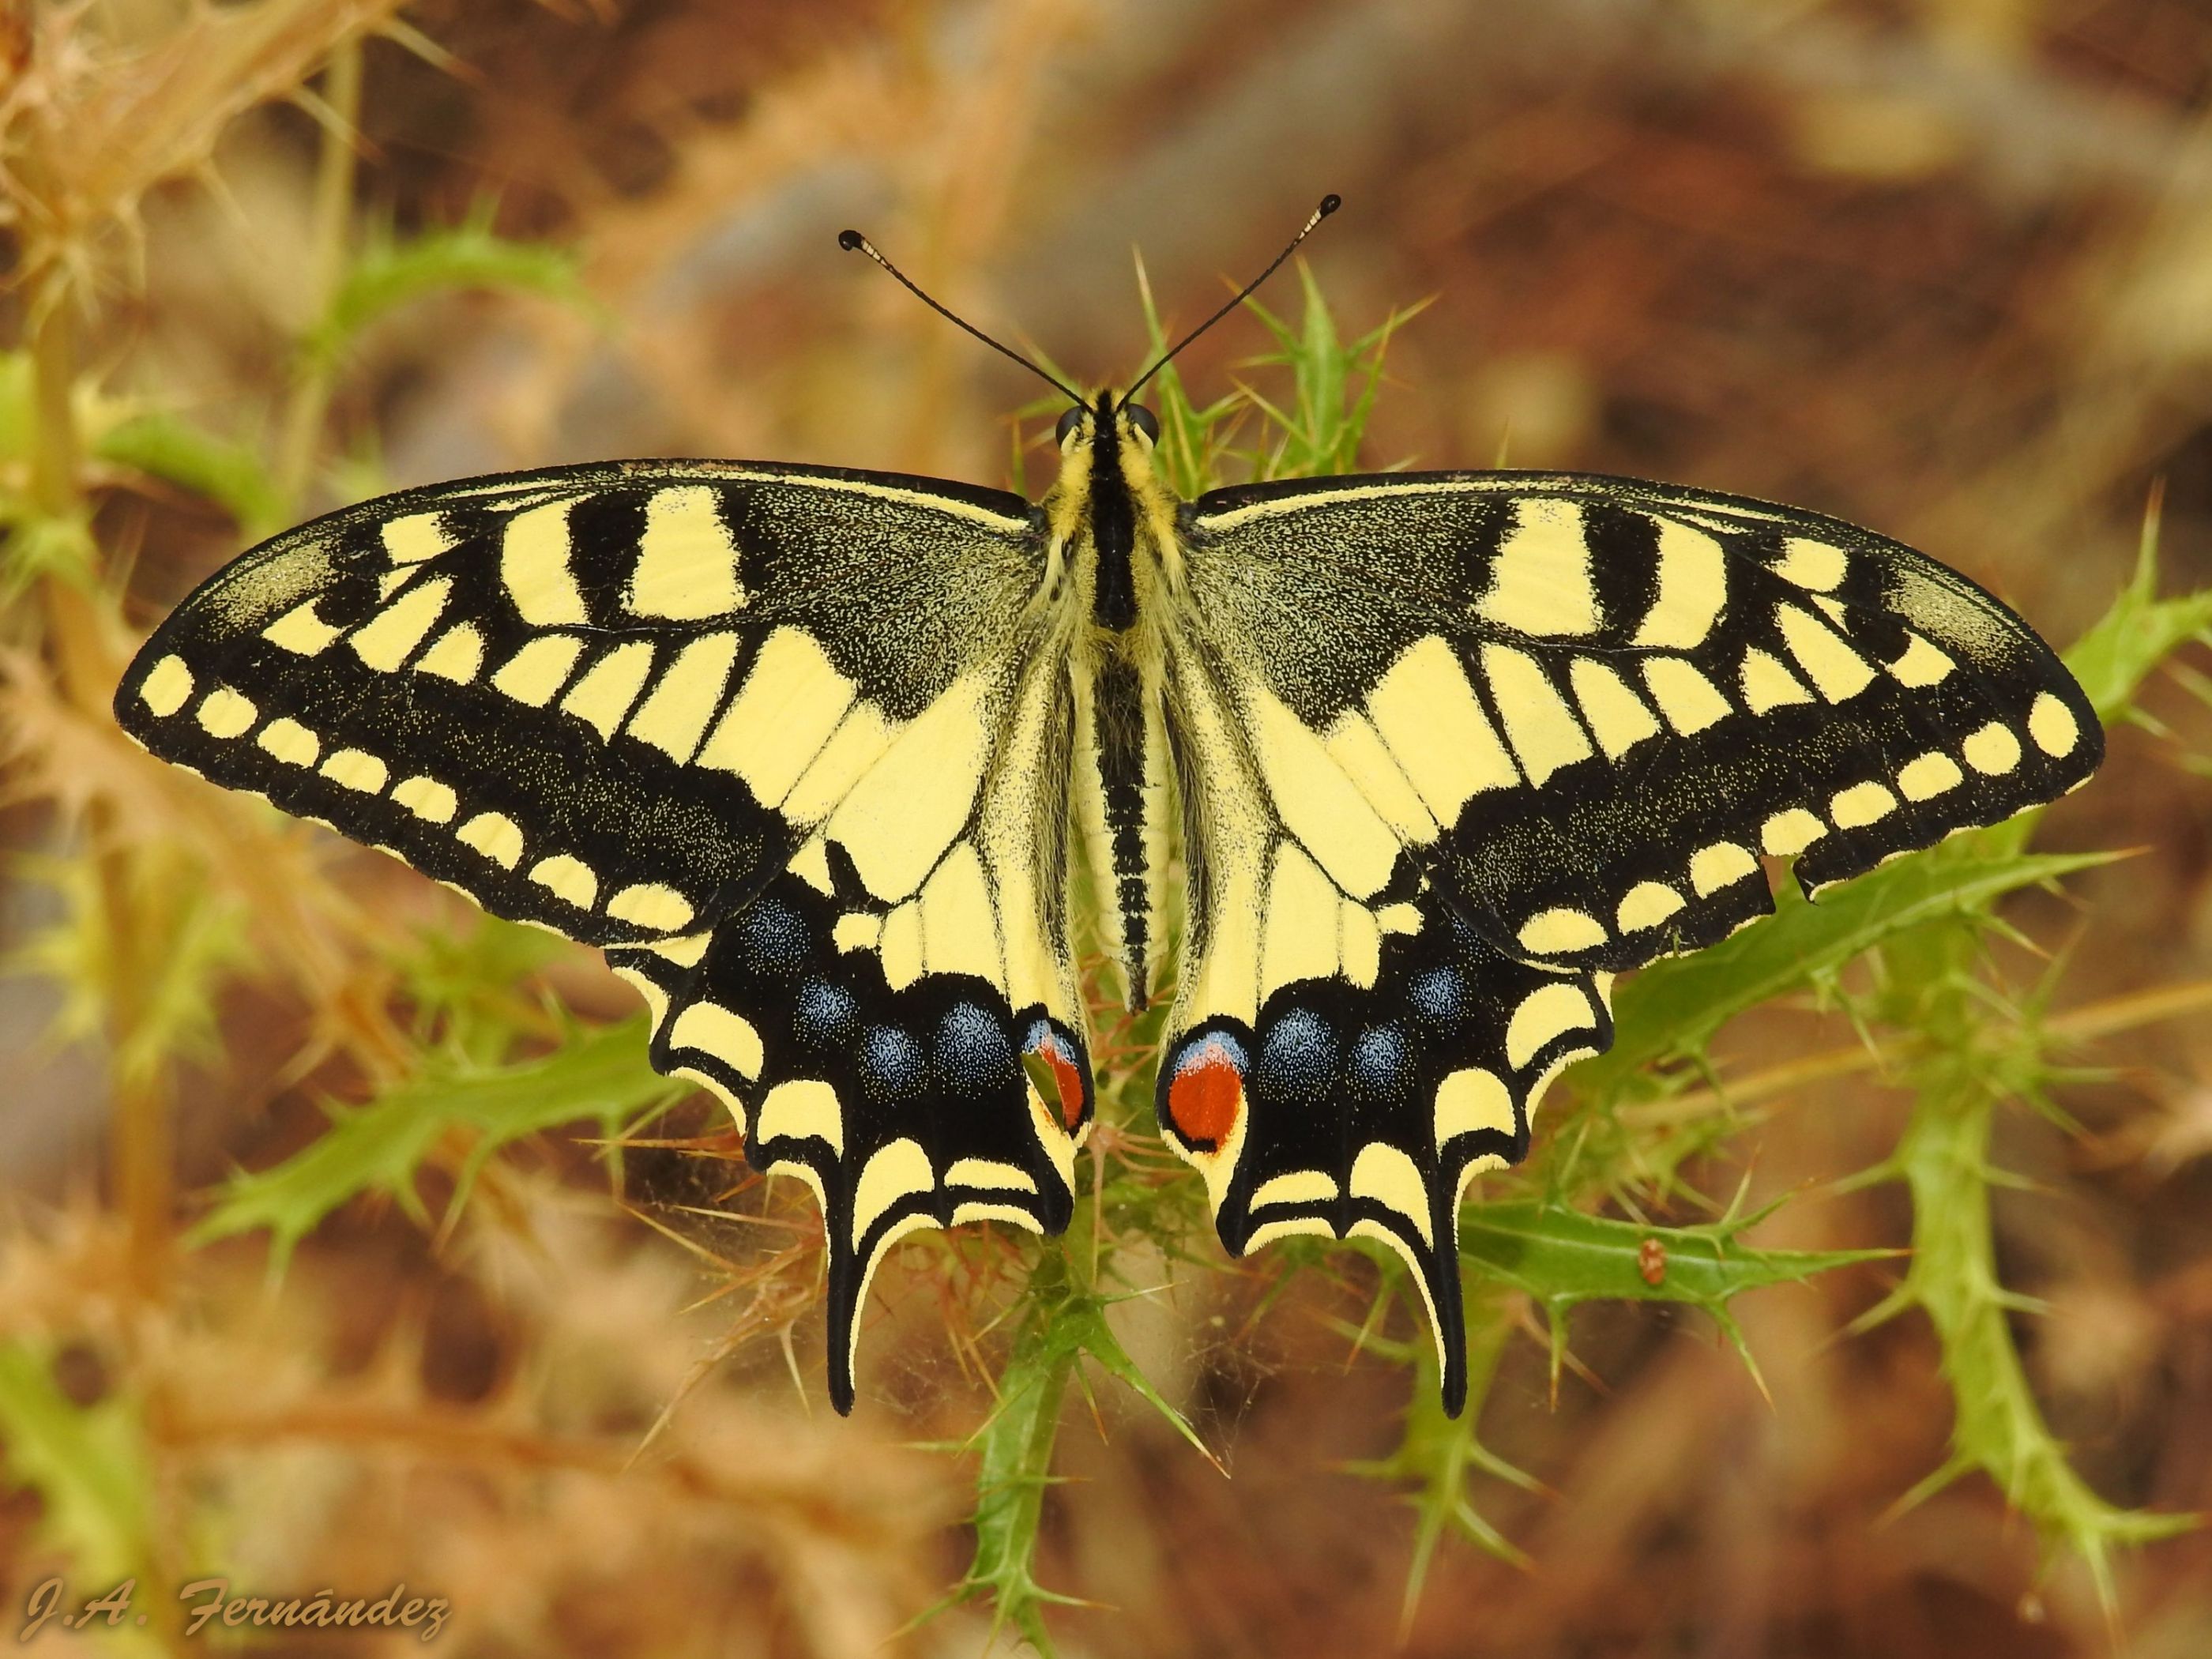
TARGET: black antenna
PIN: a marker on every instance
(853, 242)
(1329, 203)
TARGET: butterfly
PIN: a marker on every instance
(1409, 766)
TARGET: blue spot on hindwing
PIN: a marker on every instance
(1298, 1057)
(973, 1054)
(892, 1064)
(824, 1016)
(1438, 997)
(1380, 1067)
(771, 938)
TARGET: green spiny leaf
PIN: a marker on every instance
(89, 1465)
(1062, 1325)
(1191, 443)
(1999, 1426)
(1560, 1257)
(1306, 432)
(600, 1075)
(231, 474)
(1439, 1455)
(1087, 1317)
(147, 935)
(1326, 421)
(472, 988)
(388, 273)
(1014, 1461)
(2138, 633)
(33, 546)
(1974, 1058)
(1674, 1007)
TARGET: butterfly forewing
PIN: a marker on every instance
(781, 739)
(1590, 704)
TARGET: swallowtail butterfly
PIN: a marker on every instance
(807, 752)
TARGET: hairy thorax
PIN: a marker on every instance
(1115, 570)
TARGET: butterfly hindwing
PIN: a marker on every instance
(902, 1105)
(779, 739)
(1360, 1106)
(1345, 1049)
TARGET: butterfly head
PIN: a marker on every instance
(1080, 424)
(1109, 504)
(1109, 509)
(1106, 454)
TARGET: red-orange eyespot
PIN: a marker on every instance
(1069, 1076)
(1055, 1073)
(1206, 1094)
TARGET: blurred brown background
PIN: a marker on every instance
(1943, 267)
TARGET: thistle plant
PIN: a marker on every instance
(168, 896)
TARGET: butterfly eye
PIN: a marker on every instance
(1068, 421)
(1145, 422)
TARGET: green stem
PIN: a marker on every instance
(1015, 1467)
(1944, 1157)
(81, 637)
(305, 411)
(1444, 1454)
(55, 448)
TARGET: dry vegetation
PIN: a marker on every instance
(1940, 267)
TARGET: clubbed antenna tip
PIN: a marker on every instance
(853, 242)
(1329, 203)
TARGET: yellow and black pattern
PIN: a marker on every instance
(807, 753)
(900, 1097)
(747, 728)
(1590, 704)
(1347, 1049)
(1361, 1105)
(1458, 747)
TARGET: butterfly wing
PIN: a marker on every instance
(1537, 728)
(1345, 1049)
(781, 740)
